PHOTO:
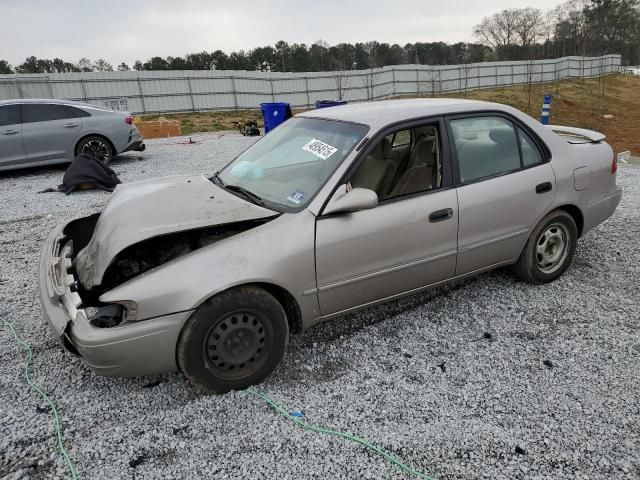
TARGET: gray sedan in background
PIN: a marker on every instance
(44, 132)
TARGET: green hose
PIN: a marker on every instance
(279, 409)
(307, 426)
(58, 428)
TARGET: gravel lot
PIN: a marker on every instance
(553, 393)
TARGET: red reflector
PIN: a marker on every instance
(129, 120)
(614, 165)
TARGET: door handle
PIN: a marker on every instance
(10, 132)
(544, 187)
(441, 215)
(69, 125)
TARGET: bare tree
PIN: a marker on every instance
(369, 83)
(323, 46)
(531, 70)
(432, 82)
(498, 30)
(341, 80)
(465, 68)
(528, 26)
(556, 76)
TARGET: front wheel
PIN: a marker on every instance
(233, 340)
(97, 147)
(549, 250)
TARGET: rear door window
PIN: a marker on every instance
(42, 112)
(486, 147)
(9, 115)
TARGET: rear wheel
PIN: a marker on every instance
(234, 340)
(549, 250)
(97, 147)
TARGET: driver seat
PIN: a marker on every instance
(377, 170)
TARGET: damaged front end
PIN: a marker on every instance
(128, 264)
(106, 250)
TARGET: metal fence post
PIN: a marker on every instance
(393, 76)
(306, 82)
(50, 86)
(235, 95)
(193, 105)
(17, 82)
(273, 97)
(417, 82)
(144, 108)
(84, 89)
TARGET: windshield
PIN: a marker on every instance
(289, 165)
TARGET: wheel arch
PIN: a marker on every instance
(101, 135)
(288, 302)
(576, 214)
(282, 295)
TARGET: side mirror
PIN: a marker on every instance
(356, 199)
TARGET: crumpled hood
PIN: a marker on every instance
(142, 210)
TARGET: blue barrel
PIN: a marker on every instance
(274, 114)
(330, 103)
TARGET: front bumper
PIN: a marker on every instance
(131, 349)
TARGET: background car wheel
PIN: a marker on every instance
(549, 250)
(96, 146)
(233, 340)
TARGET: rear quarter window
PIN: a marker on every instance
(74, 112)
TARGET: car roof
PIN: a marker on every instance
(385, 112)
(49, 100)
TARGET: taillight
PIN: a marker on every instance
(129, 119)
(614, 164)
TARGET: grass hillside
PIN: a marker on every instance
(581, 103)
(576, 103)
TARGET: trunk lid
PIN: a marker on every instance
(577, 135)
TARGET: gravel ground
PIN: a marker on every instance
(495, 378)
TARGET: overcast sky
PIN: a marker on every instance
(126, 30)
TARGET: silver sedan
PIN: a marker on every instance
(333, 211)
(45, 132)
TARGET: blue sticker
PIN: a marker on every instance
(297, 197)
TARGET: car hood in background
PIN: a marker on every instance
(142, 210)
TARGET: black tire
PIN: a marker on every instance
(233, 340)
(546, 256)
(96, 146)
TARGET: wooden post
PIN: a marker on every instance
(84, 89)
(235, 94)
(193, 105)
(144, 109)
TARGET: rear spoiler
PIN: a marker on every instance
(577, 135)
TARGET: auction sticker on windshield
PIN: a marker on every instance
(320, 149)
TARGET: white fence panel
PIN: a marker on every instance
(178, 91)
